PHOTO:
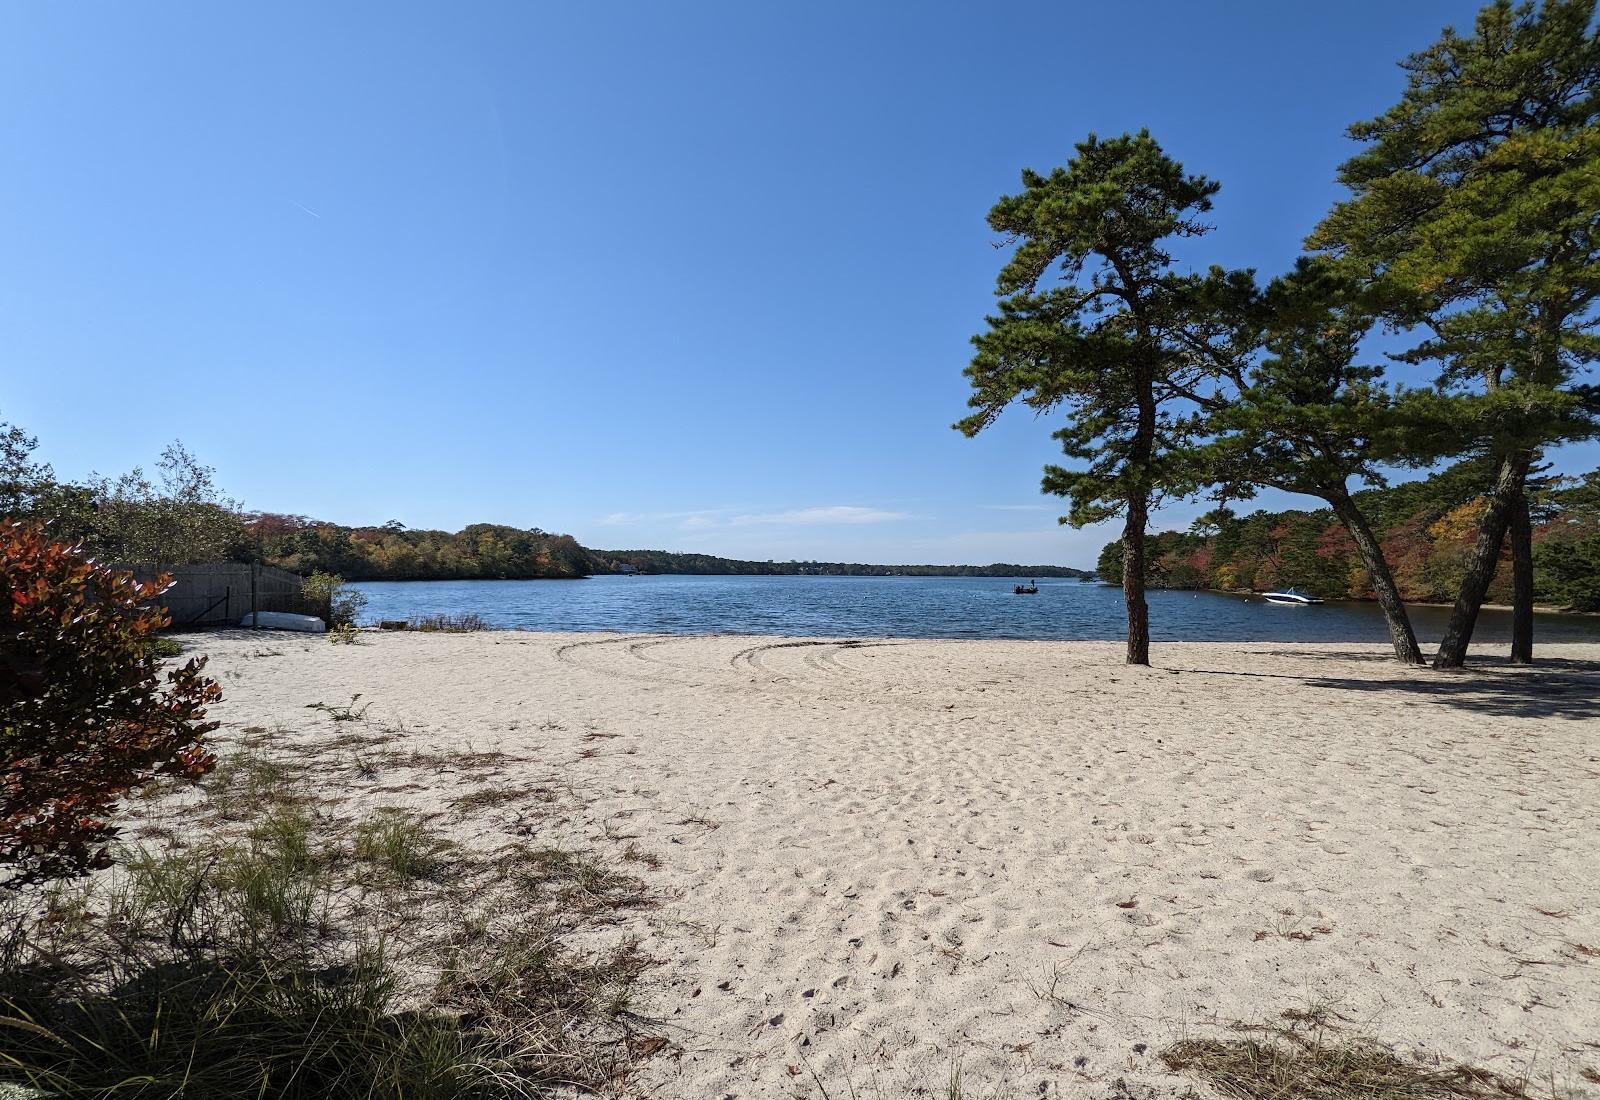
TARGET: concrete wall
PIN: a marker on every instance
(219, 594)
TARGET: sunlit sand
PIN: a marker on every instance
(878, 860)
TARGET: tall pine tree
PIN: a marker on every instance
(1473, 209)
(1094, 320)
(1308, 418)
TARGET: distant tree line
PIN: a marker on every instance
(1468, 229)
(1426, 530)
(662, 561)
(392, 552)
(180, 516)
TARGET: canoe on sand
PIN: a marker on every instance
(284, 620)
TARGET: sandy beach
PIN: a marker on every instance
(878, 862)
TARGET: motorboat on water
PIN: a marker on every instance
(1290, 597)
(1029, 589)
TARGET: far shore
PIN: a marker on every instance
(1540, 609)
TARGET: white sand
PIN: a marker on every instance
(879, 860)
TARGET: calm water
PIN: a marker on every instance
(915, 607)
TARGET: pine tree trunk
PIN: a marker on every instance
(1133, 573)
(1133, 554)
(1394, 611)
(1485, 557)
(1520, 531)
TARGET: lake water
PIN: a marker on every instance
(913, 607)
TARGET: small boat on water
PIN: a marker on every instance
(1290, 597)
(1029, 589)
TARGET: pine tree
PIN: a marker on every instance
(1307, 418)
(1473, 209)
(1094, 320)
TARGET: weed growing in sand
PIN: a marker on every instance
(365, 767)
(518, 981)
(633, 854)
(344, 634)
(488, 798)
(245, 784)
(346, 713)
(399, 849)
(955, 1087)
(701, 821)
(1303, 1060)
(163, 648)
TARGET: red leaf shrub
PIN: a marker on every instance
(85, 714)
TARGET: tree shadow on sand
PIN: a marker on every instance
(1551, 688)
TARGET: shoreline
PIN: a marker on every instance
(1537, 610)
(1477, 651)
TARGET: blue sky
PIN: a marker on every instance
(695, 276)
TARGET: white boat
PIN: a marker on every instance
(1290, 597)
(284, 620)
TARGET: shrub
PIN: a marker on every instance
(84, 713)
(161, 648)
(462, 622)
(337, 604)
(344, 634)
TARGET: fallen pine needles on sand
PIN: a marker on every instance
(1304, 1060)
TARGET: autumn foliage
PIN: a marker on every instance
(85, 712)
(1426, 527)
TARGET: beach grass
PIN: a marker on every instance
(462, 622)
(399, 848)
(267, 959)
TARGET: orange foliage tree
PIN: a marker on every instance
(85, 713)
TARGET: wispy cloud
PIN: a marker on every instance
(686, 520)
(712, 519)
(838, 513)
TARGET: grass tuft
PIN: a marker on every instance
(400, 849)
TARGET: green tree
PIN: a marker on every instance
(21, 478)
(1093, 319)
(1307, 418)
(1568, 557)
(181, 518)
(1472, 209)
(1571, 570)
(29, 489)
